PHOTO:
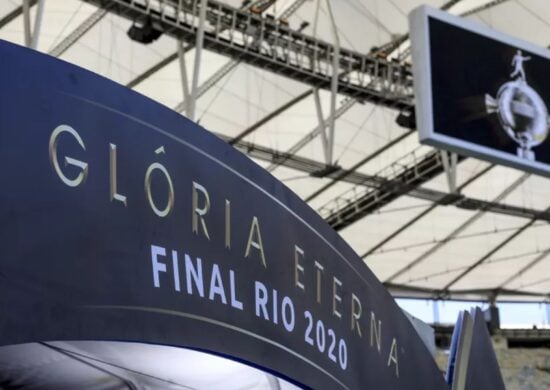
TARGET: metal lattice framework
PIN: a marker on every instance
(251, 35)
(273, 46)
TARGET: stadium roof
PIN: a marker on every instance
(387, 195)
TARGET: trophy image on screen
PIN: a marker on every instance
(520, 109)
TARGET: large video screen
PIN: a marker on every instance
(479, 92)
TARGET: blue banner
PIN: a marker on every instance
(123, 220)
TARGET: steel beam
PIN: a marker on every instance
(27, 29)
(483, 7)
(390, 47)
(322, 125)
(493, 260)
(212, 80)
(498, 247)
(333, 84)
(78, 32)
(406, 291)
(435, 311)
(544, 254)
(184, 79)
(216, 77)
(270, 116)
(421, 215)
(403, 176)
(155, 68)
(313, 167)
(291, 9)
(275, 47)
(449, 4)
(400, 230)
(10, 16)
(37, 24)
(164, 62)
(358, 165)
(463, 226)
(449, 165)
(387, 80)
(313, 134)
(199, 43)
(298, 163)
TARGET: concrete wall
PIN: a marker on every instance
(522, 369)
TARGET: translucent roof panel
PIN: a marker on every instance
(479, 243)
(417, 236)
(535, 278)
(362, 237)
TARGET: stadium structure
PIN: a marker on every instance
(321, 94)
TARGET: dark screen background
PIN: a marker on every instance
(465, 67)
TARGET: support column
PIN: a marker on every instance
(492, 315)
(37, 24)
(334, 84)
(183, 76)
(32, 35)
(449, 164)
(27, 22)
(322, 126)
(198, 53)
(435, 308)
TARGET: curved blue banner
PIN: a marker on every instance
(122, 220)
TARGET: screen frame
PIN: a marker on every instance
(419, 22)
